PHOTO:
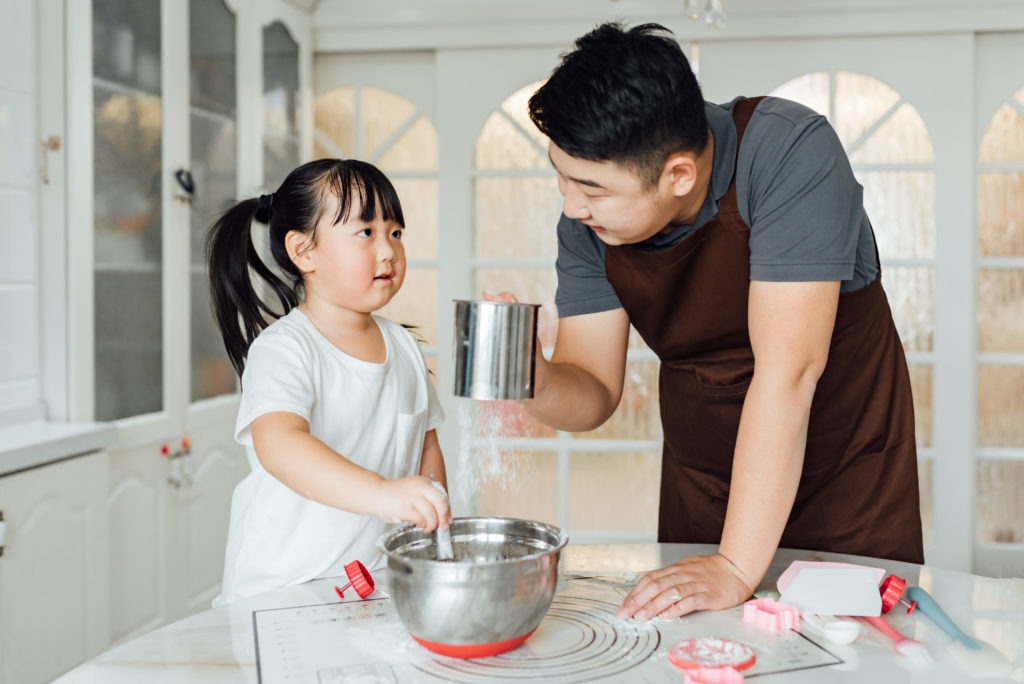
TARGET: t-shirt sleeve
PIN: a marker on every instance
(277, 377)
(583, 285)
(804, 205)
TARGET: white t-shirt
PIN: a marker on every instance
(374, 414)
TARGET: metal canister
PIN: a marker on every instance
(494, 349)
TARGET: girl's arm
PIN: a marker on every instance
(310, 468)
(433, 459)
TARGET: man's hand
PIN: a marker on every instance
(695, 583)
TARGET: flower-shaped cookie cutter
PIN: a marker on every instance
(771, 615)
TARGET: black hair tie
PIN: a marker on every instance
(266, 208)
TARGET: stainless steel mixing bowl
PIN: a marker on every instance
(485, 601)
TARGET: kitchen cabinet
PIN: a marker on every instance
(54, 591)
(166, 125)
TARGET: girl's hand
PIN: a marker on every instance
(415, 500)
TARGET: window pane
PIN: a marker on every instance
(922, 385)
(128, 257)
(505, 145)
(861, 101)
(1004, 137)
(925, 480)
(1001, 213)
(126, 43)
(1001, 509)
(902, 138)
(516, 217)
(901, 206)
(214, 151)
(1000, 406)
(615, 492)
(280, 104)
(414, 150)
(335, 114)
(419, 205)
(811, 90)
(1001, 311)
(638, 415)
(212, 56)
(911, 292)
(517, 485)
(390, 113)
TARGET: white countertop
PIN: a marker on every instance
(37, 443)
(218, 645)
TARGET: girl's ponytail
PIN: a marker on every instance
(240, 312)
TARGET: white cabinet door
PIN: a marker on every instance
(53, 572)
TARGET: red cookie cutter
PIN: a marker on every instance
(358, 578)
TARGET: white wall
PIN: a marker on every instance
(20, 374)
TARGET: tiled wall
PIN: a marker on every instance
(20, 385)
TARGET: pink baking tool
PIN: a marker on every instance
(713, 675)
(916, 652)
(771, 615)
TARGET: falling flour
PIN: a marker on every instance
(485, 454)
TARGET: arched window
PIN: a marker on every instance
(892, 157)
(526, 469)
(385, 129)
(1000, 327)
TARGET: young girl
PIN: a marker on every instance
(338, 414)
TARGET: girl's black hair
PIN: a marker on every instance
(299, 203)
(625, 96)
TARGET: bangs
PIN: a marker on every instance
(358, 182)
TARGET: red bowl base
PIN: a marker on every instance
(475, 650)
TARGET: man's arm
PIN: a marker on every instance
(790, 332)
(580, 387)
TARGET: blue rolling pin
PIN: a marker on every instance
(927, 605)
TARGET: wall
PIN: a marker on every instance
(20, 373)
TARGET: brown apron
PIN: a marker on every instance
(859, 492)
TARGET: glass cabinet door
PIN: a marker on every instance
(213, 141)
(280, 104)
(127, 256)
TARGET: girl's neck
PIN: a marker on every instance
(354, 333)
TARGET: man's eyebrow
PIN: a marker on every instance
(582, 181)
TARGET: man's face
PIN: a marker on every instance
(613, 201)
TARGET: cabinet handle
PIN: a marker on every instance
(3, 533)
(50, 144)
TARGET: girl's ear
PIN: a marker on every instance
(681, 172)
(300, 249)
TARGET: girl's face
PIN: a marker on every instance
(354, 265)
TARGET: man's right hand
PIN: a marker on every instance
(579, 388)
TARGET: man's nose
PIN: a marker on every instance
(573, 204)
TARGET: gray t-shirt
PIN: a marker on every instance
(795, 190)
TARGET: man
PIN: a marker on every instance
(734, 239)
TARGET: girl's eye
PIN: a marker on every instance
(365, 232)
(397, 233)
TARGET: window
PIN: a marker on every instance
(892, 157)
(600, 485)
(1000, 327)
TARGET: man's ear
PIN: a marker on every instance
(680, 173)
(299, 248)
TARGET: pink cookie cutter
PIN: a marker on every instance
(713, 675)
(772, 615)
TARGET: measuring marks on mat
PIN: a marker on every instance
(580, 640)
